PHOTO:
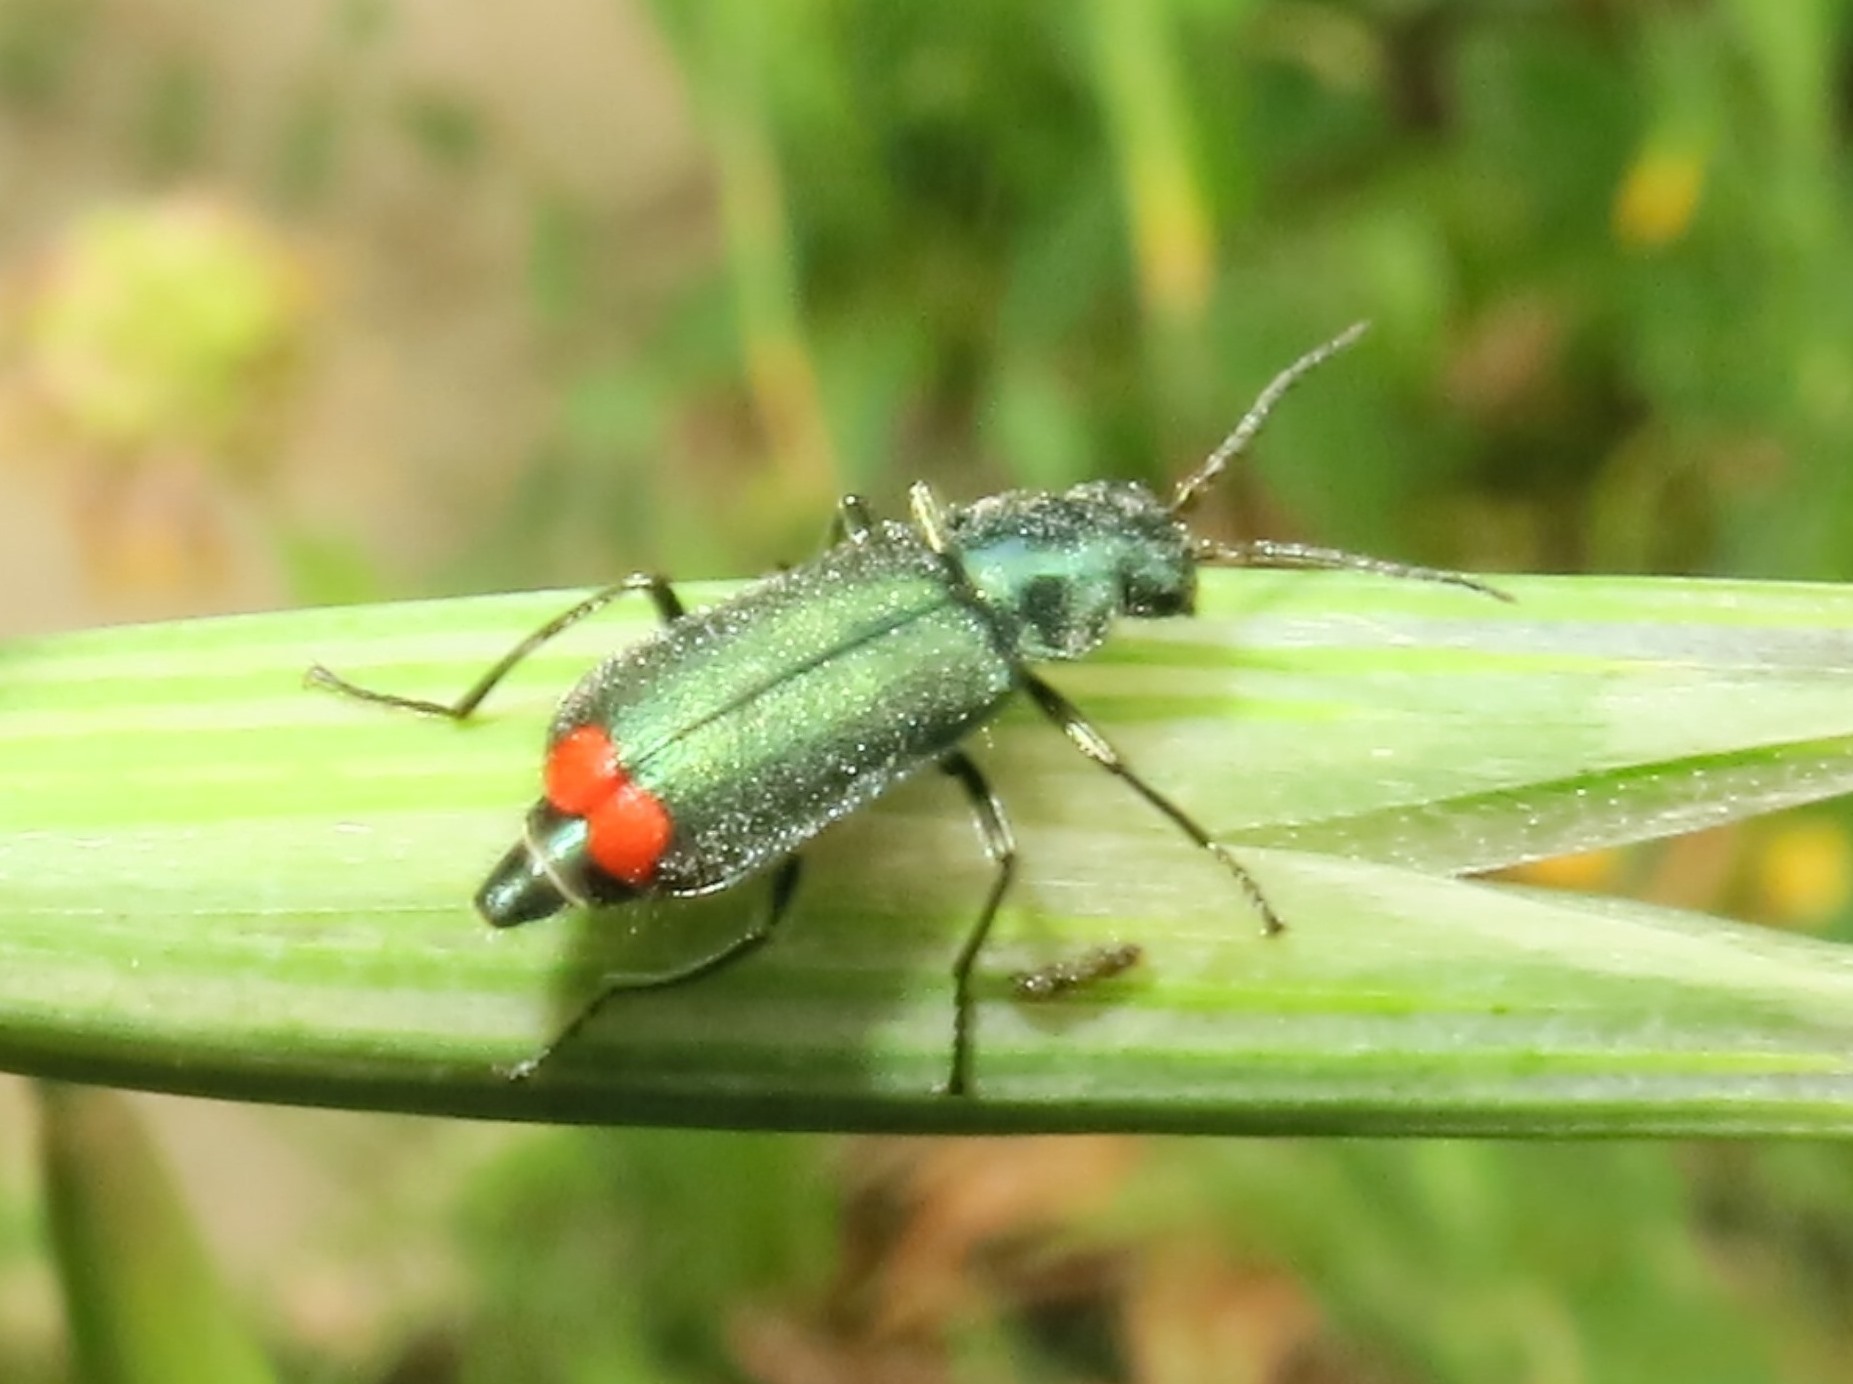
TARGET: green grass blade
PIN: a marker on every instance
(144, 1303)
(1592, 712)
(215, 880)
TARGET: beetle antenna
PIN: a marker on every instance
(1266, 552)
(1191, 488)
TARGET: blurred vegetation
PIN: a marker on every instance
(424, 314)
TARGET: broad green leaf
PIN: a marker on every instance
(213, 879)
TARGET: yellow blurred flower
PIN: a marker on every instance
(146, 361)
(162, 326)
(1590, 872)
(1659, 196)
(1802, 872)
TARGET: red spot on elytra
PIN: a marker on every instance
(629, 832)
(582, 770)
(628, 828)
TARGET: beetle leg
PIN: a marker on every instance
(662, 595)
(1000, 844)
(1096, 747)
(929, 517)
(853, 521)
(784, 885)
(1057, 978)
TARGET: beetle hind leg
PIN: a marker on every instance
(662, 596)
(784, 885)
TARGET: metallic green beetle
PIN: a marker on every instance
(713, 750)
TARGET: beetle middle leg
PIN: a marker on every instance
(784, 885)
(1096, 747)
(662, 596)
(1001, 845)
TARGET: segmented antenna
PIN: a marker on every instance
(1266, 552)
(1191, 488)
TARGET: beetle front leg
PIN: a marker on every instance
(1096, 747)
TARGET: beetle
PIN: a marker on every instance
(714, 749)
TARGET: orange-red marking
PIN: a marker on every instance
(628, 828)
(582, 770)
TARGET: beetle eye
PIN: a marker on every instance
(1046, 602)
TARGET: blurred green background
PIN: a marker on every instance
(349, 299)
